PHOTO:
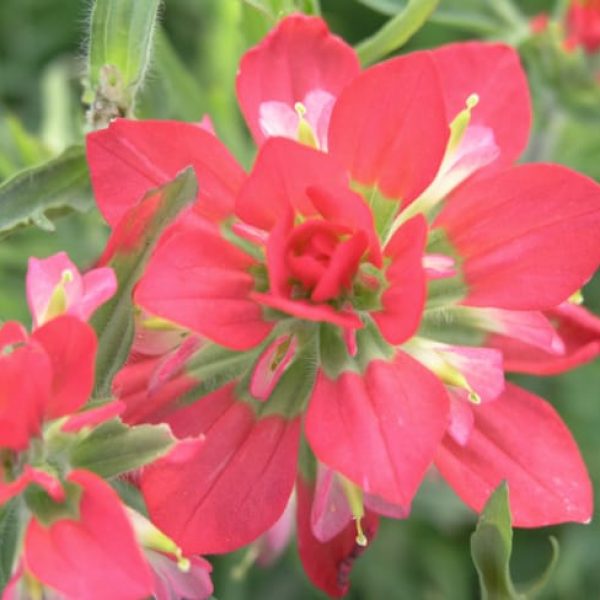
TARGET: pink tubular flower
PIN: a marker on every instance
(347, 290)
(55, 287)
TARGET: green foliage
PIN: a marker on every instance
(396, 32)
(120, 47)
(47, 510)
(9, 534)
(114, 448)
(491, 548)
(114, 322)
(35, 195)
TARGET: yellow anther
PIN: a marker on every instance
(158, 324)
(300, 109)
(472, 101)
(461, 122)
(576, 298)
(58, 303)
(183, 563)
(305, 133)
(354, 495)
(361, 538)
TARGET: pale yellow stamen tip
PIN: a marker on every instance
(67, 276)
(361, 538)
(183, 563)
(300, 109)
(472, 101)
(474, 397)
(576, 298)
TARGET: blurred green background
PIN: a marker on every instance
(42, 50)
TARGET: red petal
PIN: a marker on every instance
(131, 386)
(528, 235)
(131, 157)
(93, 416)
(11, 333)
(94, 557)
(521, 439)
(330, 511)
(243, 476)
(200, 281)
(381, 429)
(494, 73)
(297, 57)
(281, 175)
(578, 329)
(71, 346)
(343, 207)
(328, 565)
(389, 126)
(404, 299)
(25, 384)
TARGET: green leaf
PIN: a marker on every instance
(36, 194)
(491, 548)
(386, 7)
(213, 366)
(396, 32)
(114, 322)
(9, 535)
(293, 390)
(18, 148)
(120, 47)
(278, 8)
(47, 510)
(114, 448)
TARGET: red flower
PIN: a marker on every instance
(43, 376)
(92, 556)
(344, 271)
(583, 24)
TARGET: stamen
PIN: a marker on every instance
(58, 302)
(361, 538)
(354, 495)
(461, 122)
(305, 133)
(183, 563)
(576, 297)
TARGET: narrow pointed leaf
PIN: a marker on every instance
(396, 32)
(128, 251)
(9, 536)
(33, 195)
(491, 546)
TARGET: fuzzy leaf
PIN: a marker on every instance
(120, 47)
(114, 448)
(32, 195)
(128, 252)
